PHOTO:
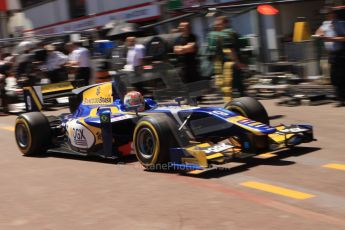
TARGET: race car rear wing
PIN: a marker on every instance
(37, 98)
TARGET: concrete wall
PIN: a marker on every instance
(246, 23)
(54, 16)
(48, 13)
(58, 10)
(106, 5)
(63, 10)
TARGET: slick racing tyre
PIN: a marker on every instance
(153, 139)
(32, 133)
(250, 108)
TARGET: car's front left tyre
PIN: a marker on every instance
(152, 141)
(32, 133)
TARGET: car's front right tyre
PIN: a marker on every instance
(249, 107)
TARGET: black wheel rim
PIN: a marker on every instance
(22, 135)
(146, 143)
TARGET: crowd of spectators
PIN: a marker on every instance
(36, 60)
(36, 63)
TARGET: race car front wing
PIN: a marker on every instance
(200, 157)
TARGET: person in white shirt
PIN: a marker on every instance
(135, 54)
(54, 65)
(79, 58)
(332, 32)
(327, 29)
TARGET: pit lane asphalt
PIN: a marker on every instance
(62, 192)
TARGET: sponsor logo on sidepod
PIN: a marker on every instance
(79, 137)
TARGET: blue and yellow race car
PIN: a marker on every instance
(107, 122)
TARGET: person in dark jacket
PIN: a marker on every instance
(186, 49)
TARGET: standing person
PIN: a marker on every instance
(221, 46)
(238, 74)
(186, 48)
(332, 32)
(54, 65)
(135, 54)
(134, 60)
(24, 59)
(3, 104)
(5, 63)
(79, 58)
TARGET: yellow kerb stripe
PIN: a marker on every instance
(335, 166)
(277, 190)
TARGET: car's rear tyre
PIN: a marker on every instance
(250, 108)
(152, 141)
(32, 133)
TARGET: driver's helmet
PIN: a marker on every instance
(134, 98)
